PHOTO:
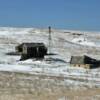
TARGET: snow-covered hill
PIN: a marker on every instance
(64, 44)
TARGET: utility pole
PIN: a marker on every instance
(50, 39)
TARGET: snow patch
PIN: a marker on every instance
(83, 41)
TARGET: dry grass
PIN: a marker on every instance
(59, 95)
(18, 86)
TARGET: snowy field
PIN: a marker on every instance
(64, 44)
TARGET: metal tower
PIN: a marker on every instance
(50, 39)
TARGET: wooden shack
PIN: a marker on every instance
(19, 48)
(32, 50)
(84, 61)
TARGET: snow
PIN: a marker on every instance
(16, 68)
(64, 45)
(83, 41)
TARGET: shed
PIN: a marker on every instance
(19, 48)
(84, 61)
(32, 50)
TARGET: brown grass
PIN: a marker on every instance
(19, 86)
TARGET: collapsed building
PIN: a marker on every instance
(84, 61)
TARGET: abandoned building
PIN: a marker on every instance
(77, 34)
(84, 61)
(19, 48)
(32, 50)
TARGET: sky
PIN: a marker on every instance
(63, 14)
